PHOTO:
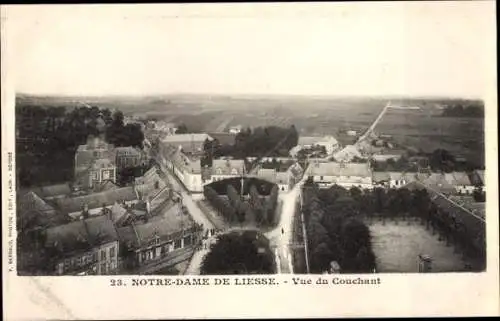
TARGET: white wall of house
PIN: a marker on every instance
(465, 189)
(397, 183)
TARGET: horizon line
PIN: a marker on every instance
(149, 95)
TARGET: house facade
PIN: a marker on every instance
(95, 162)
(227, 168)
(88, 246)
(129, 157)
(461, 182)
(160, 240)
(346, 175)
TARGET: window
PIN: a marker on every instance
(112, 251)
(177, 244)
(94, 175)
(321, 178)
(187, 240)
(94, 257)
(103, 255)
(103, 268)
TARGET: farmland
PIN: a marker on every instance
(422, 128)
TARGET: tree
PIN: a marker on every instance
(238, 254)
(182, 129)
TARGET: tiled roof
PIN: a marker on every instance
(106, 185)
(228, 167)
(96, 200)
(458, 178)
(313, 140)
(438, 181)
(347, 153)
(32, 202)
(81, 235)
(381, 176)
(190, 143)
(118, 213)
(340, 169)
(173, 221)
(127, 151)
(53, 190)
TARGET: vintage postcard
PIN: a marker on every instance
(249, 160)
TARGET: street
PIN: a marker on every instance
(282, 236)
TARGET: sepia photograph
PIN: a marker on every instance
(220, 140)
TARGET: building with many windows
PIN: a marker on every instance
(129, 157)
(343, 174)
(94, 163)
(159, 240)
(88, 246)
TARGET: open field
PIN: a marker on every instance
(422, 129)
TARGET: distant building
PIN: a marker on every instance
(235, 129)
(94, 163)
(129, 157)
(461, 182)
(227, 168)
(306, 142)
(400, 179)
(88, 246)
(351, 133)
(476, 178)
(187, 168)
(189, 144)
(438, 182)
(343, 174)
(159, 240)
(347, 154)
(284, 177)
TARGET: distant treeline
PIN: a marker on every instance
(47, 138)
(460, 110)
(270, 141)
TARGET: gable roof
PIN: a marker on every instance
(190, 143)
(32, 202)
(127, 151)
(228, 167)
(347, 153)
(314, 140)
(53, 190)
(81, 235)
(340, 169)
(97, 200)
(172, 222)
(458, 178)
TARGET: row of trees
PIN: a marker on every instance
(234, 208)
(334, 234)
(463, 111)
(261, 141)
(455, 225)
(437, 160)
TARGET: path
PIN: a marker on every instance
(374, 124)
(282, 236)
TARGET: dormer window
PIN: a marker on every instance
(219, 171)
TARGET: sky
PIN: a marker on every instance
(410, 49)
